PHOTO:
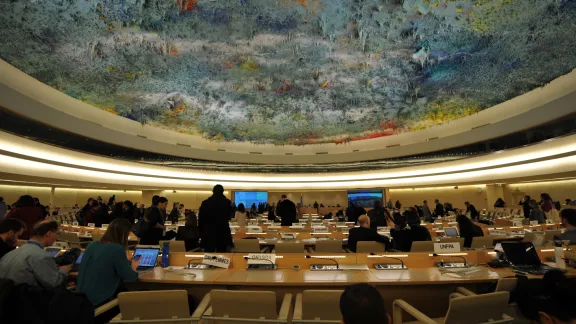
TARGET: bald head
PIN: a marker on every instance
(364, 221)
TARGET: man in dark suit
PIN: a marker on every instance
(365, 233)
(215, 235)
(286, 210)
(378, 215)
(439, 210)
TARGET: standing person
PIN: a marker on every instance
(42, 207)
(468, 230)
(549, 209)
(189, 233)
(426, 213)
(3, 208)
(154, 222)
(10, 231)
(398, 205)
(128, 211)
(536, 213)
(378, 215)
(316, 205)
(27, 211)
(31, 265)
(117, 212)
(105, 265)
(472, 210)
(272, 215)
(351, 212)
(215, 234)
(365, 233)
(111, 201)
(286, 210)
(439, 210)
(240, 215)
(525, 203)
(90, 215)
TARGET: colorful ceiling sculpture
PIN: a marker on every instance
(291, 71)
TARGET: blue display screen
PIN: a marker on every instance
(365, 198)
(79, 260)
(250, 197)
(148, 257)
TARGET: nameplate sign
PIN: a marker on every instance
(169, 223)
(253, 229)
(534, 222)
(273, 226)
(288, 236)
(92, 225)
(182, 223)
(496, 232)
(261, 258)
(320, 229)
(172, 228)
(517, 222)
(105, 226)
(448, 247)
(297, 225)
(383, 229)
(219, 261)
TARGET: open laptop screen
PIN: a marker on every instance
(148, 257)
(451, 231)
(53, 251)
(521, 253)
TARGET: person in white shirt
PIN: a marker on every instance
(240, 215)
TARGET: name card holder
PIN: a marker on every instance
(218, 261)
(181, 223)
(448, 247)
(253, 229)
(261, 261)
(91, 225)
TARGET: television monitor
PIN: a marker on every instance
(250, 197)
(364, 198)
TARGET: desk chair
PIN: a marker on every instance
(248, 246)
(529, 237)
(177, 246)
(329, 246)
(453, 240)
(317, 306)
(482, 242)
(478, 309)
(422, 246)
(549, 235)
(230, 306)
(97, 235)
(73, 240)
(163, 306)
(290, 247)
(370, 247)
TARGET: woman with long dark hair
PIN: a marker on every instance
(468, 229)
(241, 215)
(105, 264)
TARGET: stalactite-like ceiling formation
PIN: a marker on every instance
(291, 71)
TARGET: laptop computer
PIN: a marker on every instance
(53, 251)
(524, 258)
(148, 258)
(451, 231)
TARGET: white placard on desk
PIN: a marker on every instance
(383, 229)
(288, 236)
(319, 229)
(172, 228)
(534, 222)
(92, 225)
(496, 232)
(219, 261)
(181, 223)
(168, 223)
(274, 227)
(253, 229)
(105, 226)
(447, 247)
(260, 258)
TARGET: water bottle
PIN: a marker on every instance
(165, 254)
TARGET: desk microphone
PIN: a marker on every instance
(457, 256)
(337, 265)
(385, 256)
(272, 263)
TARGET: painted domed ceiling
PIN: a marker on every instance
(291, 71)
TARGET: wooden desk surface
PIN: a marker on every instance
(177, 275)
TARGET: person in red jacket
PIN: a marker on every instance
(27, 212)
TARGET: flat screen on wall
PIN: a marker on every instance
(364, 198)
(250, 197)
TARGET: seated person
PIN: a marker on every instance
(365, 233)
(549, 300)
(189, 233)
(418, 232)
(10, 230)
(363, 304)
(403, 235)
(31, 265)
(568, 221)
(105, 264)
(468, 229)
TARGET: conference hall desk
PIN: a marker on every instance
(422, 285)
